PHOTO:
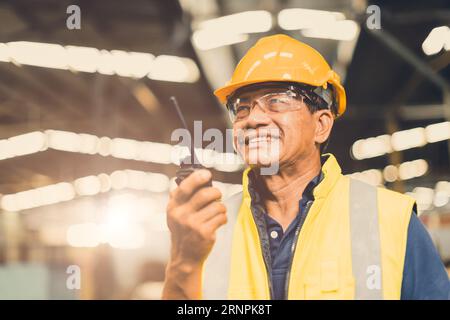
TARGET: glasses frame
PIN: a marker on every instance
(306, 93)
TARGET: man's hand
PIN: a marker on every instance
(193, 215)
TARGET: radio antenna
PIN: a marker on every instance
(183, 121)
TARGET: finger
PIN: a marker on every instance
(216, 221)
(210, 211)
(203, 197)
(191, 184)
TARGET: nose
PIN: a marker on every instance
(257, 117)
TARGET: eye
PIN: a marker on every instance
(279, 103)
(242, 111)
(279, 100)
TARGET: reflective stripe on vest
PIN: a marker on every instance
(365, 241)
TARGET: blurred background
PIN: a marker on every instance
(86, 157)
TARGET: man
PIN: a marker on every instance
(304, 231)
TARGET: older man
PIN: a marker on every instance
(302, 231)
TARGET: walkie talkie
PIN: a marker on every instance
(189, 164)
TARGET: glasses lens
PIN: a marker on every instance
(281, 101)
(231, 114)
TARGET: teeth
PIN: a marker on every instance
(261, 136)
(259, 139)
(254, 142)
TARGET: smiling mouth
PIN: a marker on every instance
(257, 141)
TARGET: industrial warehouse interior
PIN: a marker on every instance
(88, 145)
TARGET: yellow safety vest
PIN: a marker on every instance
(351, 246)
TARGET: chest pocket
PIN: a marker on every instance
(329, 282)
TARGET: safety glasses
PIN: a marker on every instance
(280, 99)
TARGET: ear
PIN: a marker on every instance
(324, 124)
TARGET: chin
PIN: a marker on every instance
(261, 157)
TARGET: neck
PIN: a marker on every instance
(282, 192)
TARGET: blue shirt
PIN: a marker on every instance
(424, 275)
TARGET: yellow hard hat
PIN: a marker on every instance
(280, 58)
